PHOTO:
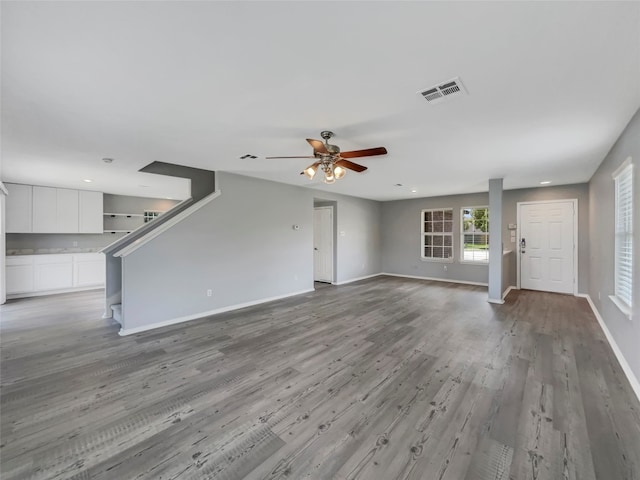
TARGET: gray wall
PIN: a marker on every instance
(111, 204)
(625, 331)
(580, 191)
(243, 247)
(358, 237)
(401, 242)
(401, 233)
(128, 204)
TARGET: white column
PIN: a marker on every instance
(3, 245)
(495, 240)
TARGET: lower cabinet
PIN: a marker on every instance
(19, 274)
(89, 271)
(38, 274)
(53, 272)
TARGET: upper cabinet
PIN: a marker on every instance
(53, 210)
(90, 215)
(45, 210)
(68, 210)
(19, 208)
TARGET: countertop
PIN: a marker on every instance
(50, 251)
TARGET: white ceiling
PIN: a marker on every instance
(551, 86)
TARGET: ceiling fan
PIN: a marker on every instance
(331, 161)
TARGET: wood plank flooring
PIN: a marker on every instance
(385, 379)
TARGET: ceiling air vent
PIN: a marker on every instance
(450, 88)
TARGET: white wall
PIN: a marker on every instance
(625, 331)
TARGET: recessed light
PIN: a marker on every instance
(88, 180)
(107, 160)
(545, 182)
(414, 191)
(169, 198)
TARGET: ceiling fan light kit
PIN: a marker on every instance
(331, 161)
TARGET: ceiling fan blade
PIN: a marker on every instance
(369, 152)
(317, 145)
(350, 165)
(270, 158)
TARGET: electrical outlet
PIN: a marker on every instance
(75, 244)
(445, 268)
(209, 293)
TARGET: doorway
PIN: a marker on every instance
(547, 250)
(323, 244)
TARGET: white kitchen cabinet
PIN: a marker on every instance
(29, 275)
(36, 209)
(19, 274)
(45, 210)
(53, 272)
(18, 208)
(89, 270)
(91, 212)
(67, 210)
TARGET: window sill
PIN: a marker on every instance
(471, 262)
(624, 308)
(437, 260)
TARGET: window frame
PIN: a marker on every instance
(622, 301)
(462, 233)
(424, 234)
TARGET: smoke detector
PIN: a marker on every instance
(450, 88)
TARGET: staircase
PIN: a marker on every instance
(202, 183)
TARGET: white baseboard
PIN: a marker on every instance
(446, 280)
(497, 301)
(506, 292)
(53, 292)
(130, 331)
(357, 279)
(626, 368)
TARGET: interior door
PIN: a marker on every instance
(323, 244)
(547, 246)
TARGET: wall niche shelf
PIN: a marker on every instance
(128, 215)
(116, 222)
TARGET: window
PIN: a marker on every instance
(437, 234)
(474, 234)
(151, 215)
(623, 179)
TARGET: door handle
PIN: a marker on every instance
(523, 245)
(315, 248)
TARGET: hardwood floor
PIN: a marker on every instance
(386, 378)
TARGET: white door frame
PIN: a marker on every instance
(333, 273)
(575, 238)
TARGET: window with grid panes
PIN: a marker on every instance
(623, 179)
(437, 234)
(474, 241)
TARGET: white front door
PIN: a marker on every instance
(323, 244)
(547, 246)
